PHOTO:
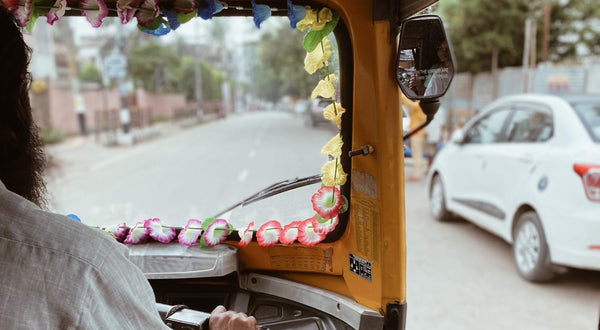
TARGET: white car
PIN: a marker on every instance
(527, 168)
(405, 120)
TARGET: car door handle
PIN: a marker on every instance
(526, 159)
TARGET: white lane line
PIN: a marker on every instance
(252, 153)
(243, 175)
(110, 161)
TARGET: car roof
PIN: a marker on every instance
(569, 98)
(580, 98)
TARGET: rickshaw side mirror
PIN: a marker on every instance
(425, 66)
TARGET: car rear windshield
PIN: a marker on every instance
(589, 113)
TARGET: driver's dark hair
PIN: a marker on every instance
(22, 160)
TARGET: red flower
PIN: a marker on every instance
(307, 234)
(328, 202)
(268, 234)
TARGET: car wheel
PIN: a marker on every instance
(530, 249)
(437, 202)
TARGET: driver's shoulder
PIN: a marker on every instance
(27, 227)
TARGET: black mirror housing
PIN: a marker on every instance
(425, 65)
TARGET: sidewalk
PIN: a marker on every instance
(137, 135)
(86, 151)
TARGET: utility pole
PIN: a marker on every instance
(529, 22)
(546, 41)
(78, 100)
(124, 115)
(494, 73)
(197, 71)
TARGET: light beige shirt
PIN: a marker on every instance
(56, 273)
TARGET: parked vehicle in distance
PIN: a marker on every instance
(314, 112)
(527, 168)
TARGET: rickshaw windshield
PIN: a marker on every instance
(217, 110)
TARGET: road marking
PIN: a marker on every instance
(252, 153)
(243, 175)
(116, 159)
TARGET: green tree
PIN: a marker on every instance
(573, 24)
(211, 80)
(478, 30)
(90, 73)
(281, 65)
(154, 67)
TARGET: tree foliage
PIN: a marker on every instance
(211, 80)
(281, 65)
(159, 68)
(151, 66)
(90, 73)
(476, 27)
(574, 24)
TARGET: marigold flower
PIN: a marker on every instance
(333, 148)
(308, 20)
(317, 58)
(334, 113)
(333, 175)
(324, 88)
(325, 16)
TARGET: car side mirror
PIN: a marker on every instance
(458, 137)
(424, 65)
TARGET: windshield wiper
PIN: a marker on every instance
(275, 189)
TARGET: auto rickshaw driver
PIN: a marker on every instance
(57, 273)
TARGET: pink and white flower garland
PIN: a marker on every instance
(210, 232)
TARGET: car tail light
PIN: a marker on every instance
(590, 175)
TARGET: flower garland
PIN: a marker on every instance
(328, 202)
(213, 231)
(152, 16)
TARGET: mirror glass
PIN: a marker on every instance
(424, 64)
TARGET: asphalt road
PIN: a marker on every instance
(459, 276)
(188, 173)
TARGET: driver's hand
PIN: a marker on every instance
(222, 319)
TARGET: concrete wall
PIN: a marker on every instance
(60, 112)
(98, 100)
(593, 79)
(546, 79)
(161, 105)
